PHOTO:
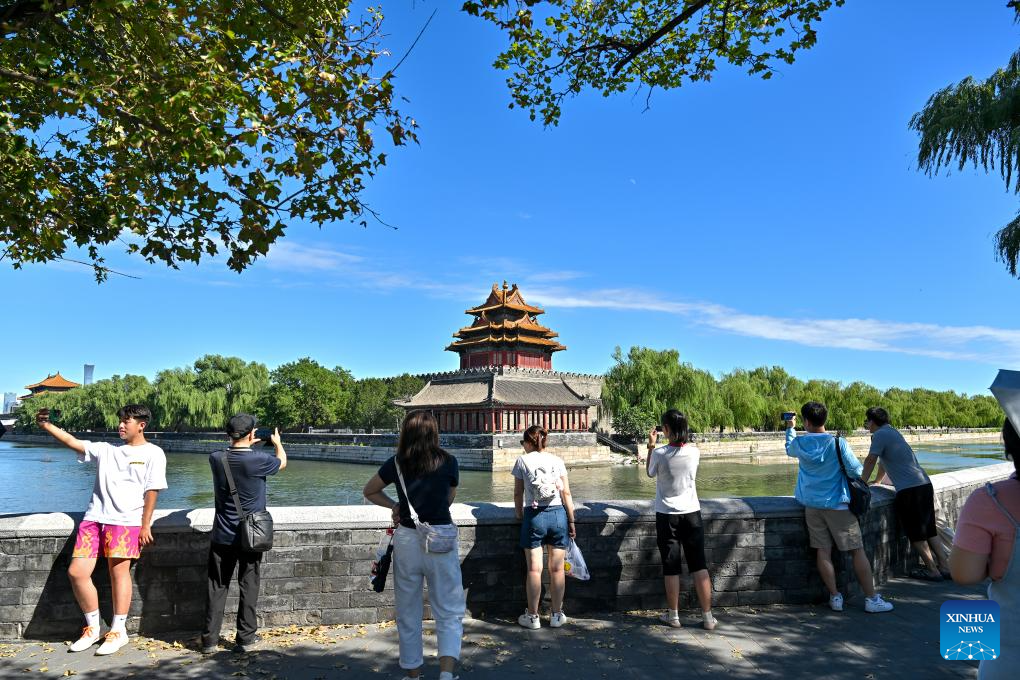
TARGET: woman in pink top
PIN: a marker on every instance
(987, 544)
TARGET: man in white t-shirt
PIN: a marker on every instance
(118, 520)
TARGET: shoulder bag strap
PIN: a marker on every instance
(407, 496)
(839, 457)
(990, 490)
(231, 485)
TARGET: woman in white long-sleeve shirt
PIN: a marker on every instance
(678, 515)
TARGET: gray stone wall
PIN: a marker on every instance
(318, 571)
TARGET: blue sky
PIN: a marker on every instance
(742, 222)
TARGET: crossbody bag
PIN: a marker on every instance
(256, 528)
(441, 538)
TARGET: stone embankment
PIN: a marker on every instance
(757, 548)
(770, 447)
(474, 451)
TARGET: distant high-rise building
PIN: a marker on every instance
(89, 370)
(10, 398)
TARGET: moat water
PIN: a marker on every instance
(49, 479)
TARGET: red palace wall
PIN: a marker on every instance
(506, 358)
(511, 419)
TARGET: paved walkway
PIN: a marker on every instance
(786, 643)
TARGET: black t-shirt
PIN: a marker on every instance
(249, 469)
(429, 494)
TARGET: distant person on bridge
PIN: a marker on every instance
(118, 521)
(915, 497)
(249, 468)
(679, 531)
(987, 545)
(822, 490)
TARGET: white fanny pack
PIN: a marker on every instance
(436, 539)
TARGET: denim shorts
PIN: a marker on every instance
(544, 526)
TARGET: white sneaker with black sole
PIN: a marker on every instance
(529, 620)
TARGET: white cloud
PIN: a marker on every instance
(292, 256)
(984, 344)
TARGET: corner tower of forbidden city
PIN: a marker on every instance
(506, 382)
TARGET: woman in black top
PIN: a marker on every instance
(430, 476)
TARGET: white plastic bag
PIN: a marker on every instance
(573, 562)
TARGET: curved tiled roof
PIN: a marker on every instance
(56, 380)
(505, 319)
(489, 387)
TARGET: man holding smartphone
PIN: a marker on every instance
(249, 468)
(822, 490)
(118, 520)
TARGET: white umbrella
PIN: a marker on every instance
(1006, 389)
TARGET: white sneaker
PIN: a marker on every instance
(836, 602)
(709, 622)
(671, 621)
(113, 641)
(876, 605)
(89, 637)
(557, 619)
(529, 620)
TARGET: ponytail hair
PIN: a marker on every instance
(536, 435)
(679, 430)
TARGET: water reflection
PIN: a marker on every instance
(45, 479)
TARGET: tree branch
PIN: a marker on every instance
(635, 50)
(18, 15)
(39, 82)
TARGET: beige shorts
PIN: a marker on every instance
(826, 525)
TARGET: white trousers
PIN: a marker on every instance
(411, 567)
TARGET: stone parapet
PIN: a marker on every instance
(757, 551)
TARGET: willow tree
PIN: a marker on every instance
(976, 123)
(559, 48)
(179, 130)
(178, 404)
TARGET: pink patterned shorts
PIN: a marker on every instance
(117, 541)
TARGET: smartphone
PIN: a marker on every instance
(658, 428)
(264, 433)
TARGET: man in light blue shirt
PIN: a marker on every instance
(822, 490)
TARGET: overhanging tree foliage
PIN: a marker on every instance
(558, 48)
(977, 123)
(180, 129)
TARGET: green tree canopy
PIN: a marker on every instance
(91, 407)
(642, 384)
(185, 128)
(304, 393)
(558, 48)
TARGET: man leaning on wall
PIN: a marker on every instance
(249, 468)
(915, 495)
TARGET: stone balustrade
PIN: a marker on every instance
(318, 572)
